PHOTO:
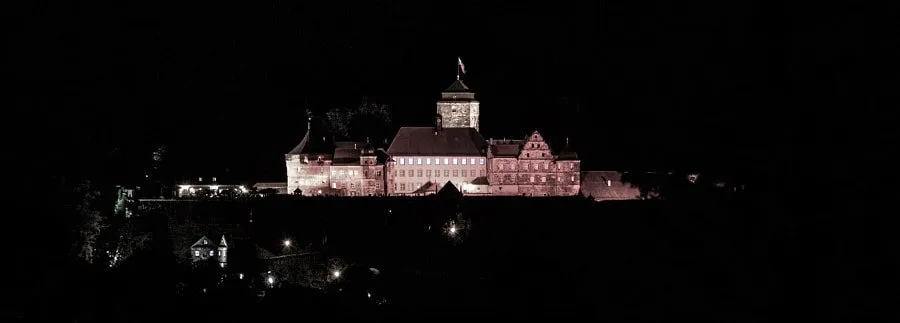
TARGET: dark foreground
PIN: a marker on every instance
(734, 260)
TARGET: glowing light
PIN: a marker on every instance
(452, 229)
(369, 295)
(243, 189)
(184, 187)
(241, 276)
(214, 187)
(336, 274)
(287, 243)
(270, 280)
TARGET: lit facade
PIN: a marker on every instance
(528, 167)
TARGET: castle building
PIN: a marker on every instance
(528, 167)
(425, 158)
(320, 166)
(420, 160)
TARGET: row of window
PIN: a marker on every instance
(437, 161)
(414, 186)
(353, 185)
(437, 173)
(535, 166)
(211, 253)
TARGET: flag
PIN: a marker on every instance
(461, 66)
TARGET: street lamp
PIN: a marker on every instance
(336, 274)
(270, 280)
(287, 243)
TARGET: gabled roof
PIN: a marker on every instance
(203, 242)
(222, 242)
(425, 141)
(449, 190)
(482, 180)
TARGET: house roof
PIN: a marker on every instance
(506, 150)
(315, 141)
(457, 86)
(567, 153)
(425, 141)
(480, 181)
(203, 242)
(607, 185)
(449, 190)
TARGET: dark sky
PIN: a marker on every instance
(652, 85)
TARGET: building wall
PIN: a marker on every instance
(535, 172)
(459, 114)
(325, 178)
(409, 177)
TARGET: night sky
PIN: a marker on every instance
(644, 85)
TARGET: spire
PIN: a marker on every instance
(222, 242)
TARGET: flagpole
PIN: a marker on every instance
(457, 68)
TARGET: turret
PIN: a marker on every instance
(223, 252)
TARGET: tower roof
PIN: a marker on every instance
(458, 91)
(457, 86)
(568, 153)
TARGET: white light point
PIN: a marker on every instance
(336, 274)
(287, 243)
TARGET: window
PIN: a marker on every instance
(472, 161)
(428, 173)
(463, 161)
(472, 173)
(352, 185)
(571, 166)
(454, 161)
(212, 253)
(437, 173)
(481, 161)
(543, 154)
(532, 178)
(402, 173)
(377, 173)
(419, 173)
(455, 172)
(546, 166)
(543, 179)
(437, 161)
(341, 172)
(446, 173)
(446, 161)
(419, 161)
(333, 185)
(534, 166)
(409, 160)
(427, 161)
(573, 179)
(402, 161)
(196, 253)
(377, 186)
(527, 155)
(500, 166)
(402, 186)
(481, 172)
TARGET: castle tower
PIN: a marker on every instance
(458, 107)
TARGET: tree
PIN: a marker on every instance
(91, 221)
(366, 119)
